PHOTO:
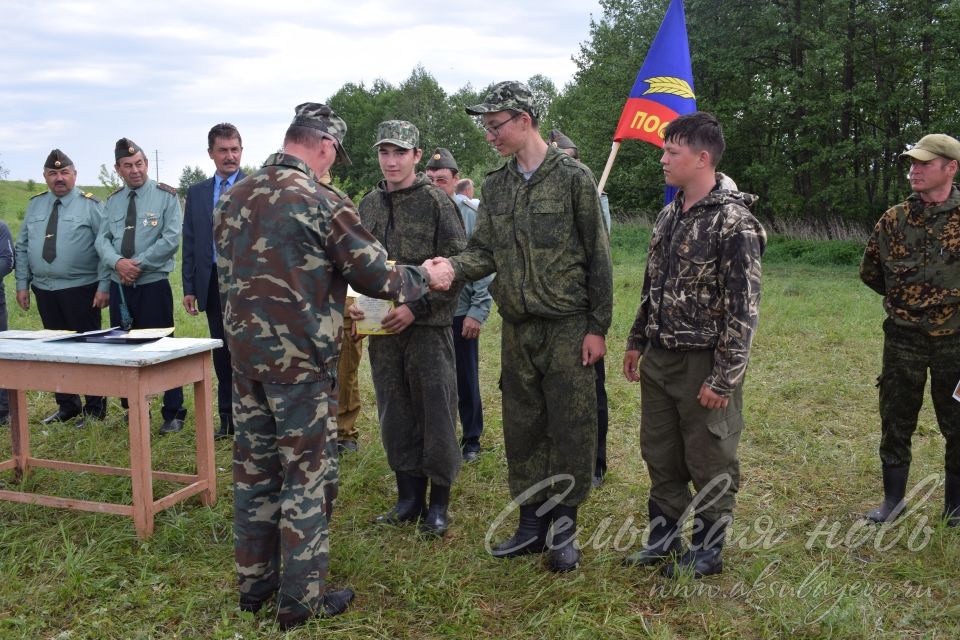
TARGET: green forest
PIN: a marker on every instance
(818, 99)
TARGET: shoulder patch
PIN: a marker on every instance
(89, 196)
(165, 187)
(115, 192)
(42, 193)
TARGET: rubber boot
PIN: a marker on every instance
(564, 555)
(894, 488)
(705, 555)
(530, 537)
(663, 541)
(411, 498)
(951, 495)
(435, 522)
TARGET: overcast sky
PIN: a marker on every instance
(78, 75)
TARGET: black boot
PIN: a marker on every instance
(564, 555)
(531, 534)
(705, 555)
(435, 522)
(664, 539)
(411, 498)
(894, 488)
(951, 495)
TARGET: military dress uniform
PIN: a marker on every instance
(156, 226)
(414, 371)
(913, 260)
(58, 260)
(699, 309)
(287, 248)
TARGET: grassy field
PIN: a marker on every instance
(799, 564)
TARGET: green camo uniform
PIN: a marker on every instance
(287, 247)
(545, 239)
(76, 263)
(414, 372)
(698, 313)
(913, 261)
(159, 222)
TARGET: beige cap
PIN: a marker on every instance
(935, 145)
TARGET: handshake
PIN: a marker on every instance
(440, 273)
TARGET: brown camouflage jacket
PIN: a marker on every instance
(701, 289)
(545, 238)
(287, 246)
(913, 261)
(415, 224)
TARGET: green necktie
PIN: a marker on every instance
(130, 227)
(50, 239)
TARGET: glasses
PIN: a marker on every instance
(494, 130)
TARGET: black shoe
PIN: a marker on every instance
(226, 431)
(347, 445)
(332, 603)
(531, 534)
(951, 501)
(564, 555)
(663, 541)
(471, 456)
(705, 555)
(60, 416)
(411, 499)
(597, 480)
(435, 522)
(894, 489)
(171, 426)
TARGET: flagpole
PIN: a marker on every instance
(606, 170)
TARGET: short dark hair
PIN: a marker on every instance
(223, 130)
(700, 131)
(463, 184)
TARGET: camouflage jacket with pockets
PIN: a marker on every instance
(545, 238)
(913, 261)
(287, 246)
(701, 288)
(416, 224)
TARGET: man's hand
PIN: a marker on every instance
(709, 398)
(594, 347)
(440, 272)
(23, 299)
(631, 365)
(471, 328)
(190, 304)
(101, 299)
(355, 313)
(398, 319)
(128, 270)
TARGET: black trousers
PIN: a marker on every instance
(4, 400)
(221, 356)
(72, 309)
(603, 420)
(151, 306)
(469, 406)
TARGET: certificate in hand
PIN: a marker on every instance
(374, 311)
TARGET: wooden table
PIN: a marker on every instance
(110, 370)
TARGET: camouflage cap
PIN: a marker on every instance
(935, 145)
(125, 148)
(57, 160)
(442, 159)
(399, 132)
(560, 141)
(506, 95)
(315, 115)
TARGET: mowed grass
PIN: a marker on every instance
(798, 564)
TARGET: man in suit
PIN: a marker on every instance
(200, 292)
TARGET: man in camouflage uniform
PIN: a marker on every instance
(137, 244)
(540, 229)
(56, 258)
(473, 308)
(287, 247)
(698, 312)
(413, 369)
(913, 261)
